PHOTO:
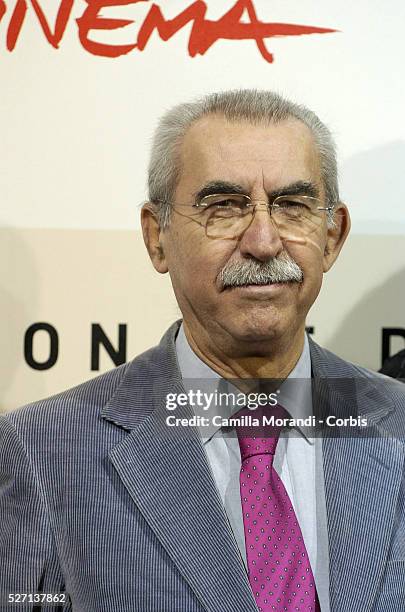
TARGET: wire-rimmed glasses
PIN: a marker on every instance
(228, 216)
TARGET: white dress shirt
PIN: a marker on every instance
(298, 458)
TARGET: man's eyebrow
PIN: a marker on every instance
(214, 187)
(298, 188)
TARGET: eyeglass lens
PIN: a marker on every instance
(228, 216)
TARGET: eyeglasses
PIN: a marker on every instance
(229, 215)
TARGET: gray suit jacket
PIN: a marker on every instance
(98, 501)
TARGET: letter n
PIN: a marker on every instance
(99, 337)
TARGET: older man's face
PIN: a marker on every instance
(262, 160)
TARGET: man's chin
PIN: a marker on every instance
(256, 334)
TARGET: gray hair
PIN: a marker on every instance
(252, 105)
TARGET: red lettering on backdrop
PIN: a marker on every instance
(204, 32)
(92, 20)
(18, 17)
(3, 9)
(15, 25)
(167, 28)
(61, 21)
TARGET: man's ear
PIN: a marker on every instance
(152, 237)
(336, 235)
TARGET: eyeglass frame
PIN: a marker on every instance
(269, 207)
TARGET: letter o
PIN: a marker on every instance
(29, 346)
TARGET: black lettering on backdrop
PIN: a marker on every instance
(118, 355)
(29, 346)
(99, 337)
(387, 333)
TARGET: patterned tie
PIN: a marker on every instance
(279, 570)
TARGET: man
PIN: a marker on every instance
(102, 500)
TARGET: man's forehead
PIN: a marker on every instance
(246, 153)
(230, 135)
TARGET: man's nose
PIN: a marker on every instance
(261, 239)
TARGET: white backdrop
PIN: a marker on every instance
(76, 129)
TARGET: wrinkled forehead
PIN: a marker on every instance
(267, 155)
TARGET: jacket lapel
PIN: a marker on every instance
(167, 474)
(362, 475)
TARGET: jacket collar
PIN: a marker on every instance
(146, 381)
(339, 386)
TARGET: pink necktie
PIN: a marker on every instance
(279, 570)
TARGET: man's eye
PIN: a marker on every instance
(222, 201)
(228, 203)
(292, 203)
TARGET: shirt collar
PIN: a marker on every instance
(295, 392)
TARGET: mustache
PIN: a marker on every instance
(281, 269)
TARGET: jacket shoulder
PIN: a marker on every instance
(85, 399)
(373, 392)
(326, 363)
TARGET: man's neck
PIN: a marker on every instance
(276, 364)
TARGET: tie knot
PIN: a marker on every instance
(259, 439)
